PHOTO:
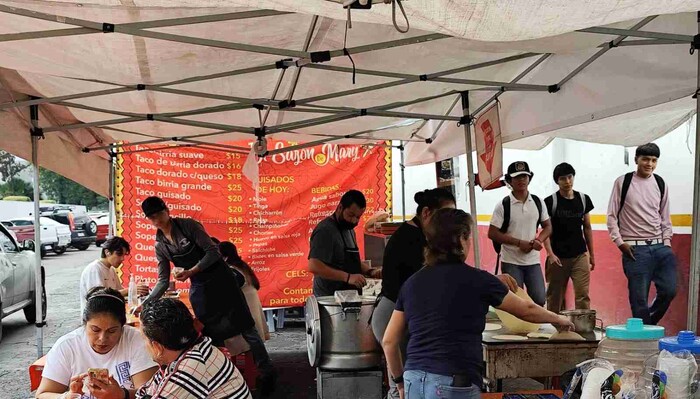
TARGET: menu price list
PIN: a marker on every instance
(270, 225)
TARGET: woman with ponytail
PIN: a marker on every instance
(403, 256)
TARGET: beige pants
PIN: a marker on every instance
(579, 270)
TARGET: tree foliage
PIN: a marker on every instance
(66, 191)
(18, 187)
(10, 166)
(53, 186)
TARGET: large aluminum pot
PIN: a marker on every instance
(584, 320)
(340, 337)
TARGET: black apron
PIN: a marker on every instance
(216, 299)
(351, 260)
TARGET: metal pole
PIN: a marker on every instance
(470, 179)
(695, 244)
(403, 182)
(38, 283)
(112, 165)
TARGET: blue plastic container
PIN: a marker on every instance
(685, 340)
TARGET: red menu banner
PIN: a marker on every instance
(297, 189)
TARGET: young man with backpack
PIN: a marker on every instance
(513, 231)
(639, 222)
(570, 247)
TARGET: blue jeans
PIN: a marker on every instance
(529, 277)
(657, 264)
(422, 385)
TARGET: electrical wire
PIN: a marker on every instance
(394, 3)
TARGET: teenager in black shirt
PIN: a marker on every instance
(570, 247)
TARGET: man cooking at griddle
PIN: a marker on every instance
(334, 258)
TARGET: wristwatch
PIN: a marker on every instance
(397, 380)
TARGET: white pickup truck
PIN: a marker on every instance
(55, 236)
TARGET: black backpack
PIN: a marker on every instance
(626, 186)
(506, 223)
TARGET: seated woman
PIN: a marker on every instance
(191, 367)
(102, 272)
(105, 342)
(444, 355)
(250, 288)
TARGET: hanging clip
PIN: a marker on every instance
(465, 120)
(260, 145)
(37, 132)
(695, 44)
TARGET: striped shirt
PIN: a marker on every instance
(201, 372)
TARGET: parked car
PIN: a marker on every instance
(102, 221)
(21, 233)
(17, 278)
(83, 228)
(12, 233)
(55, 237)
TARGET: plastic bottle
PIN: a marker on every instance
(133, 293)
(685, 340)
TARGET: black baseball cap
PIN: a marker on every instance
(153, 205)
(519, 168)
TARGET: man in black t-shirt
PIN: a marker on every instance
(570, 247)
(334, 257)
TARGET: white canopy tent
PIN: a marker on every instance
(208, 72)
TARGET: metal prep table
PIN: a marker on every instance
(534, 358)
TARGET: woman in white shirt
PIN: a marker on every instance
(102, 272)
(104, 341)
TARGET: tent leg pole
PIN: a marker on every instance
(112, 165)
(695, 244)
(470, 178)
(39, 286)
(403, 182)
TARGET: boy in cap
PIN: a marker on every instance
(514, 230)
(570, 247)
(639, 222)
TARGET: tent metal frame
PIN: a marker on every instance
(694, 282)
(304, 58)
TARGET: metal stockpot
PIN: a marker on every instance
(584, 320)
(339, 336)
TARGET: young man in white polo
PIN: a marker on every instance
(570, 247)
(514, 228)
(639, 222)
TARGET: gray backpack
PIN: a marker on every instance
(554, 203)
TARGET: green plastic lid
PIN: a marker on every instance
(634, 330)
